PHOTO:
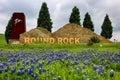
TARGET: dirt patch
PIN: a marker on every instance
(76, 31)
(37, 32)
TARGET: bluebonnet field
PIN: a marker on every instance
(59, 65)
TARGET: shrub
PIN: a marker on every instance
(94, 39)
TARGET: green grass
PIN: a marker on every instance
(71, 47)
(2, 40)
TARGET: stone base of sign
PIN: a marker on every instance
(14, 41)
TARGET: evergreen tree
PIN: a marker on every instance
(8, 30)
(75, 16)
(44, 18)
(87, 23)
(107, 28)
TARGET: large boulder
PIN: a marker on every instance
(36, 33)
(76, 31)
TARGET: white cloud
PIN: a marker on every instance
(2, 29)
(116, 35)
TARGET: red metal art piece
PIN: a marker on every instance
(18, 25)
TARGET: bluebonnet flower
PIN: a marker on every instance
(44, 69)
(22, 68)
(100, 67)
(106, 67)
(98, 71)
(85, 73)
(5, 63)
(35, 76)
(13, 70)
(87, 62)
(32, 74)
(18, 73)
(40, 70)
(78, 70)
(111, 73)
(1, 71)
(32, 60)
(72, 63)
(26, 62)
(29, 70)
(82, 77)
(59, 77)
(1, 65)
(40, 64)
(52, 73)
(95, 67)
(54, 79)
(49, 61)
(6, 69)
(13, 60)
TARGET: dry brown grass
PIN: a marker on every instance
(37, 32)
(76, 31)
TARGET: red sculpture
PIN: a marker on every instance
(18, 25)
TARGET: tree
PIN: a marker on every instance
(107, 28)
(8, 30)
(75, 16)
(44, 18)
(87, 23)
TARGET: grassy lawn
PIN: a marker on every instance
(2, 40)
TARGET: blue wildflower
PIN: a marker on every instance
(85, 73)
(111, 73)
(1, 71)
(49, 61)
(44, 69)
(13, 70)
(78, 70)
(54, 79)
(59, 77)
(98, 71)
(18, 73)
(52, 73)
(40, 64)
(6, 70)
(1, 65)
(95, 67)
(87, 62)
(30, 70)
(106, 67)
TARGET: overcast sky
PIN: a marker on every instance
(60, 11)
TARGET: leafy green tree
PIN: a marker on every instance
(107, 28)
(8, 30)
(87, 23)
(44, 18)
(75, 16)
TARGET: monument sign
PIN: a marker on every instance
(18, 25)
